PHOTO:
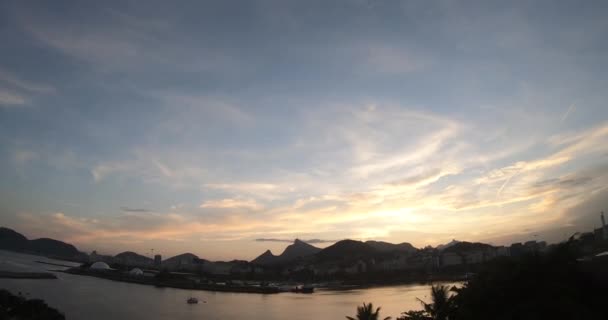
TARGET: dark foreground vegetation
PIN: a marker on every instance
(17, 307)
(562, 284)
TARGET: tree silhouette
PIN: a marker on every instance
(440, 308)
(366, 312)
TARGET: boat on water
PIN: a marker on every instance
(192, 300)
(303, 289)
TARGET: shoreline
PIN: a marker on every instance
(189, 284)
(178, 284)
(26, 275)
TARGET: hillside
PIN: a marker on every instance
(382, 246)
(14, 241)
(298, 249)
(266, 258)
(464, 246)
(184, 261)
(52, 247)
(132, 259)
(346, 250)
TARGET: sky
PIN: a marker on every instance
(225, 128)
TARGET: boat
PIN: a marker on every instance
(192, 300)
(303, 289)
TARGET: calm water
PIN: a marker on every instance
(92, 298)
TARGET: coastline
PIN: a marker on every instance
(178, 284)
(26, 275)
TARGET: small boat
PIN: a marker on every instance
(192, 300)
(303, 289)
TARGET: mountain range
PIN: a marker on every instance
(339, 251)
(298, 249)
(344, 250)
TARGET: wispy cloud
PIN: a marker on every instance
(11, 99)
(13, 80)
(310, 241)
(128, 209)
(232, 204)
(571, 109)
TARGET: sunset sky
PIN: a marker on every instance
(201, 127)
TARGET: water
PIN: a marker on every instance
(80, 297)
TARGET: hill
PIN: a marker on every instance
(447, 245)
(52, 247)
(184, 261)
(14, 241)
(382, 246)
(130, 258)
(464, 246)
(298, 249)
(347, 250)
(266, 258)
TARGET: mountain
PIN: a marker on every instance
(464, 246)
(14, 241)
(52, 247)
(347, 250)
(266, 258)
(298, 249)
(132, 259)
(391, 247)
(447, 245)
(184, 261)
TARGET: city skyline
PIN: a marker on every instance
(206, 127)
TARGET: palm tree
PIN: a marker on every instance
(366, 312)
(441, 306)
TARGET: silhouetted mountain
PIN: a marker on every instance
(184, 261)
(132, 259)
(467, 247)
(390, 247)
(447, 245)
(296, 250)
(52, 247)
(14, 241)
(266, 258)
(346, 250)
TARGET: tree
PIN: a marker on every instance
(366, 312)
(441, 307)
(442, 304)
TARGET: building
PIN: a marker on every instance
(136, 272)
(99, 265)
(158, 260)
(503, 251)
(602, 232)
(474, 257)
(516, 249)
(451, 259)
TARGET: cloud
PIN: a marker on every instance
(571, 109)
(273, 240)
(310, 241)
(249, 204)
(13, 80)
(11, 99)
(391, 60)
(127, 209)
